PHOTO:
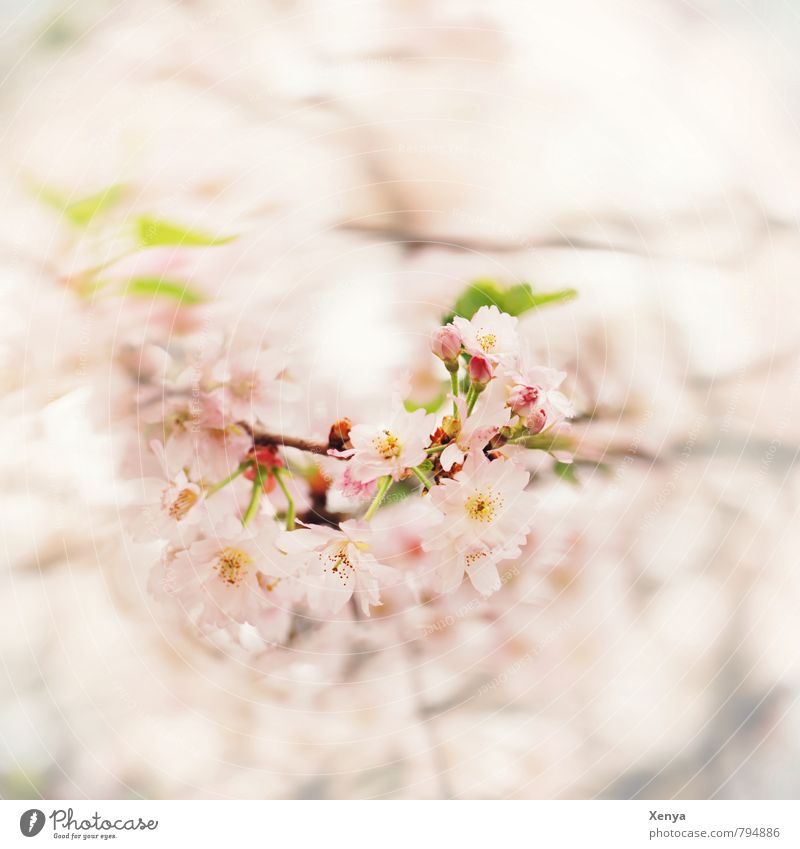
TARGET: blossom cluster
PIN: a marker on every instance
(260, 527)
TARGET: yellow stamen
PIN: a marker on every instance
(338, 561)
(388, 445)
(483, 506)
(182, 504)
(232, 565)
(487, 341)
(472, 557)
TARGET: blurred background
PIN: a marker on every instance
(375, 157)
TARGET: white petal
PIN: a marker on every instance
(451, 455)
(483, 573)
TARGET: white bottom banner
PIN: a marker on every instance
(620, 824)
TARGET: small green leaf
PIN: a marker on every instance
(566, 471)
(154, 232)
(549, 441)
(514, 300)
(430, 407)
(84, 210)
(160, 287)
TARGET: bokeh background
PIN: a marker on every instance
(374, 158)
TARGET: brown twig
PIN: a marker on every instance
(318, 516)
(283, 441)
(291, 442)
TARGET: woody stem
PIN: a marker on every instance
(282, 441)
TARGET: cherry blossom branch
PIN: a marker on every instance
(317, 516)
(291, 442)
(284, 441)
(525, 412)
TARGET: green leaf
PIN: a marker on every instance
(84, 210)
(514, 300)
(566, 471)
(155, 232)
(549, 441)
(430, 407)
(160, 287)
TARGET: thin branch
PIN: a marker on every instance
(291, 442)
(283, 441)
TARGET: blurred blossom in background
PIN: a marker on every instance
(373, 158)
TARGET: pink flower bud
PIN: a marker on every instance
(446, 343)
(537, 421)
(480, 371)
(523, 400)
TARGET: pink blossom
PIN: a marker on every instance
(535, 396)
(232, 580)
(336, 565)
(197, 437)
(398, 534)
(486, 517)
(523, 400)
(169, 503)
(340, 478)
(488, 416)
(352, 488)
(490, 333)
(249, 385)
(390, 449)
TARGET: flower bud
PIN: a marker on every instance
(537, 421)
(265, 455)
(451, 426)
(446, 344)
(523, 400)
(480, 371)
(265, 459)
(339, 435)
